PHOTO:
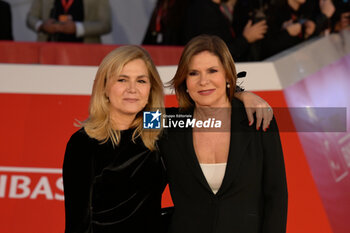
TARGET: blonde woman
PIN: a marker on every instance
(113, 178)
(112, 172)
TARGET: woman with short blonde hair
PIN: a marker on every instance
(99, 124)
(112, 172)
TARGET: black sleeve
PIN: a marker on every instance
(278, 39)
(77, 183)
(239, 47)
(276, 42)
(150, 38)
(6, 21)
(321, 22)
(274, 182)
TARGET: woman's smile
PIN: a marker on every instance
(206, 92)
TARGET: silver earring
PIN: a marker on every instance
(228, 85)
(187, 90)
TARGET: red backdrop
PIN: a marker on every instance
(36, 127)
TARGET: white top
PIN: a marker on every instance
(214, 174)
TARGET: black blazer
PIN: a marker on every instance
(253, 195)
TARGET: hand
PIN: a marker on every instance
(343, 23)
(49, 26)
(255, 104)
(293, 29)
(327, 8)
(67, 27)
(310, 27)
(254, 32)
(345, 20)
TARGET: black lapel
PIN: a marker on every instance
(193, 161)
(241, 135)
(186, 140)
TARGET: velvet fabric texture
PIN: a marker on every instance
(112, 189)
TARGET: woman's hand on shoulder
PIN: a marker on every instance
(255, 104)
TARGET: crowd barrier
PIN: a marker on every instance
(44, 88)
(74, 54)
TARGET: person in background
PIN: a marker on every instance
(214, 17)
(320, 12)
(224, 180)
(324, 12)
(341, 18)
(289, 24)
(247, 13)
(70, 20)
(6, 21)
(166, 26)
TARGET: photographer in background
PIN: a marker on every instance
(70, 20)
(322, 12)
(216, 17)
(246, 14)
(167, 23)
(290, 22)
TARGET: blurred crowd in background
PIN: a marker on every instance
(253, 29)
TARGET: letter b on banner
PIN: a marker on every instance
(19, 187)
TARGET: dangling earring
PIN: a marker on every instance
(228, 85)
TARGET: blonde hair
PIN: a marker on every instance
(214, 45)
(99, 125)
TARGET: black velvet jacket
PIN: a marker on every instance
(111, 189)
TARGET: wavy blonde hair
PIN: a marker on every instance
(99, 125)
(214, 45)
